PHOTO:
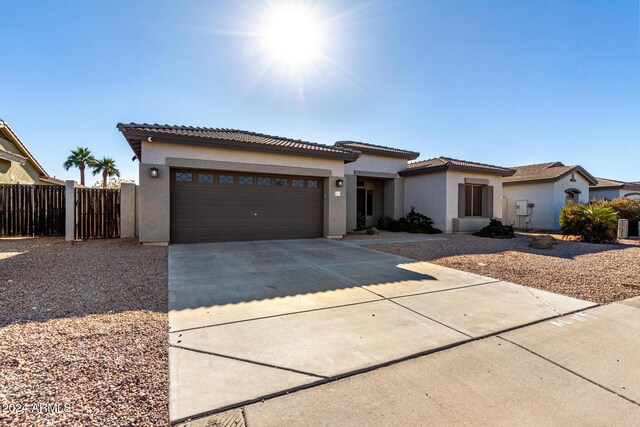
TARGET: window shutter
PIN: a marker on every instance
(487, 201)
(462, 189)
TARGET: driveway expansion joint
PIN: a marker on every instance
(253, 362)
(569, 370)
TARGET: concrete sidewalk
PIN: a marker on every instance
(254, 320)
(581, 369)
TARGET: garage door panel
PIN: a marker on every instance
(243, 210)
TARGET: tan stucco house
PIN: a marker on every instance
(209, 184)
(610, 189)
(535, 194)
(17, 164)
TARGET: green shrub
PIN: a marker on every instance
(628, 208)
(594, 223)
(496, 230)
(413, 222)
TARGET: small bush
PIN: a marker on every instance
(628, 208)
(496, 230)
(594, 223)
(413, 222)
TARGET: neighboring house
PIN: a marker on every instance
(17, 164)
(208, 184)
(373, 187)
(458, 195)
(610, 189)
(535, 194)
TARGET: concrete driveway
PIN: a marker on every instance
(254, 320)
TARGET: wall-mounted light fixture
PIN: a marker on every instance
(154, 172)
(339, 182)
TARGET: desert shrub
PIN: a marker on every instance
(412, 222)
(570, 222)
(360, 222)
(628, 208)
(496, 230)
(594, 223)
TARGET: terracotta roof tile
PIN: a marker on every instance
(551, 171)
(245, 139)
(445, 163)
(378, 149)
(611, 184)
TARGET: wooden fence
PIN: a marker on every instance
(31, 210)
(97, 213)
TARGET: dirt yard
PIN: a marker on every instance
(598, 273)
(83, 333)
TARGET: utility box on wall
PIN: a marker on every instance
(522, 207)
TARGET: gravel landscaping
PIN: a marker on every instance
(83, 325)
(598, 273)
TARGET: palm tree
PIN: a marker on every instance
(107, 166)
(79, 158)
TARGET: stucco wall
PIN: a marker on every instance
(541, 194)
(373, 163)
(158, 152)
(14, 173)
(428, 194)
(549, 198)
(454, 178)
(604, 194)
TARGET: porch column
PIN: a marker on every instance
(69, 210)
(350, 188)
(394, 198)
(127, 210)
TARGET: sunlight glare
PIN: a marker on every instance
(293, 36)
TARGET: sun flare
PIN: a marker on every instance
(293, 36)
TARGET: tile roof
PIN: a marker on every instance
(604, 183)
(228, 138)
(380, 150)
(551, 171)
(447, 163)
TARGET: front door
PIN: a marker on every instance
(364, 205)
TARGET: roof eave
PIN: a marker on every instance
(16, 140)
(451, 167)
(134, 137)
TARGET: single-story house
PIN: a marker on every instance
(458, 195)
(209, 184)
(17, 164)
(535, 194)
(610, 189)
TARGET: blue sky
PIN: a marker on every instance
(501, 82)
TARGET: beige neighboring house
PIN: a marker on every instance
(17, 164)
(535, 194)
(610, 189)
(458, 195)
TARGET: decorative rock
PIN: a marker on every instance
(542, 242)
(373, 231)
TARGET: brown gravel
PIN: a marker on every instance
(598, 273)
(83, 324)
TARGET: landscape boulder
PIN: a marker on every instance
(542, 242)
(373, 231)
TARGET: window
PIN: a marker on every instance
(297, 183)
(312, 183)
(281, 182)
(245, 180)
(225, 179)
(473, 200)
(184, 177)
(369, 202)
(264, 180)
(206, 178)
(360, 183)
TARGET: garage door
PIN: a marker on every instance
(218, 206)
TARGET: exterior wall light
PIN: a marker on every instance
(154, 172)
(339, 182)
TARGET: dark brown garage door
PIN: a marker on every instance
(213, 206)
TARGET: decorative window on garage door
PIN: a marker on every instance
(245, 180)
(205, 178)
(264, 180)
(184, 177)
(281, 182)
(297, 183)
(312, 183)
(225, 179)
